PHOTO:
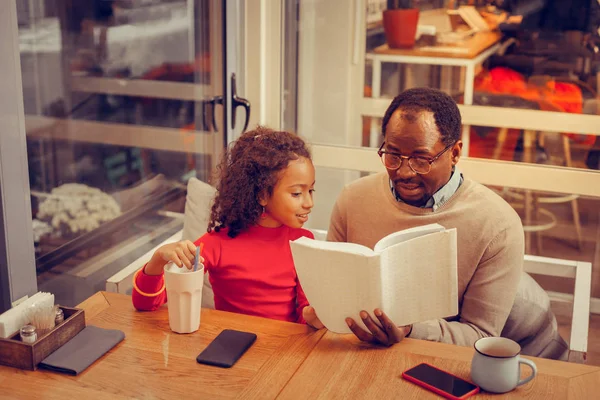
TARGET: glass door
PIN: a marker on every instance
(537, 146)
(124, 102)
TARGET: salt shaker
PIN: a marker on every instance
(60, 316)
(28, 334)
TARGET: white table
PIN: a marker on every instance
(469, 54)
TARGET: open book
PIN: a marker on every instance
(411, 275)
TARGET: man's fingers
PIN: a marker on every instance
(394, 333)
(377, 332)
(359, 332)
(310, 316)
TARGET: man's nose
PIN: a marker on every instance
(404, 171)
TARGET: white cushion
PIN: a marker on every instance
(200, 196)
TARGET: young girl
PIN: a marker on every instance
(264, 196)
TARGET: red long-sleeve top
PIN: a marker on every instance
(252, 274)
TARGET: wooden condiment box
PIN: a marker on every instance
(15, 353)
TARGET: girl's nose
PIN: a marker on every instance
(308, 202)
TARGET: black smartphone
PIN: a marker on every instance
(441, 382)
(226, 348)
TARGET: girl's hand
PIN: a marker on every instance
(310, 316)
(180, 253)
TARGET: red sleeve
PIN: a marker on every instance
(301, 300)
(153, 283)
(148, 284)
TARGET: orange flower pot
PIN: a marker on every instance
(400, 27)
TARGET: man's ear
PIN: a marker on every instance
(455, 152)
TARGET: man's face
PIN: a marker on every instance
(415, 134)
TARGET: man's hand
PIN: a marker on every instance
(387, 336)
(310, 316)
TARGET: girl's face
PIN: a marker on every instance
(292, 197)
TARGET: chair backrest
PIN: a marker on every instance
(577, 304)
(197, 214)
(198, 203)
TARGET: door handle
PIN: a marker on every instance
(238, 102)
(205, 107)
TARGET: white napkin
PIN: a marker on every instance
(12, 320)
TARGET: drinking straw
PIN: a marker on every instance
(197, 259)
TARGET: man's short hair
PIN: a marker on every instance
(444, 109)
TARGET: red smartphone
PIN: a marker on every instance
(440, 382)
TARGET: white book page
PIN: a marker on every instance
(337, 284)
(405, 235)
(339, 247)
(420, 279)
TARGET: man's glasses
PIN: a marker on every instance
(419, 164)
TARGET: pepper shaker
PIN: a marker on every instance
(60, 316)
(28, 334)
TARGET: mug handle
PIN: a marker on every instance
(531, 365)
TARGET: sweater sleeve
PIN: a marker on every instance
(337, 231)
(148, 284)
(489, 296)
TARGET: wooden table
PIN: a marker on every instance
(468, 48)
(153, 362)
(288, 361)
(340, 368)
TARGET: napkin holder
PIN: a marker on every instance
(15, 353)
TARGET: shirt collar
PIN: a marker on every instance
(443, 194)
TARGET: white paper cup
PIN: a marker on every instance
(184, 297)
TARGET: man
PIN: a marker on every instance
(421, 148)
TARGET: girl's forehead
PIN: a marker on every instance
(300, 170)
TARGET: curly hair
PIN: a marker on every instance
(249, 169)
(444, 109)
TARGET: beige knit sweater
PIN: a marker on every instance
(490, 249)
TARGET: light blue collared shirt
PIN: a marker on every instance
(443, 194)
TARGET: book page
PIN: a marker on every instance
(419, 278)
(338, 284)
(339, 247)
(405, 235)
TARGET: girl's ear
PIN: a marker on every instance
(263, 199)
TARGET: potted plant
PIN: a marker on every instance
(400, 23)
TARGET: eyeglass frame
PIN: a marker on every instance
(430, 160)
